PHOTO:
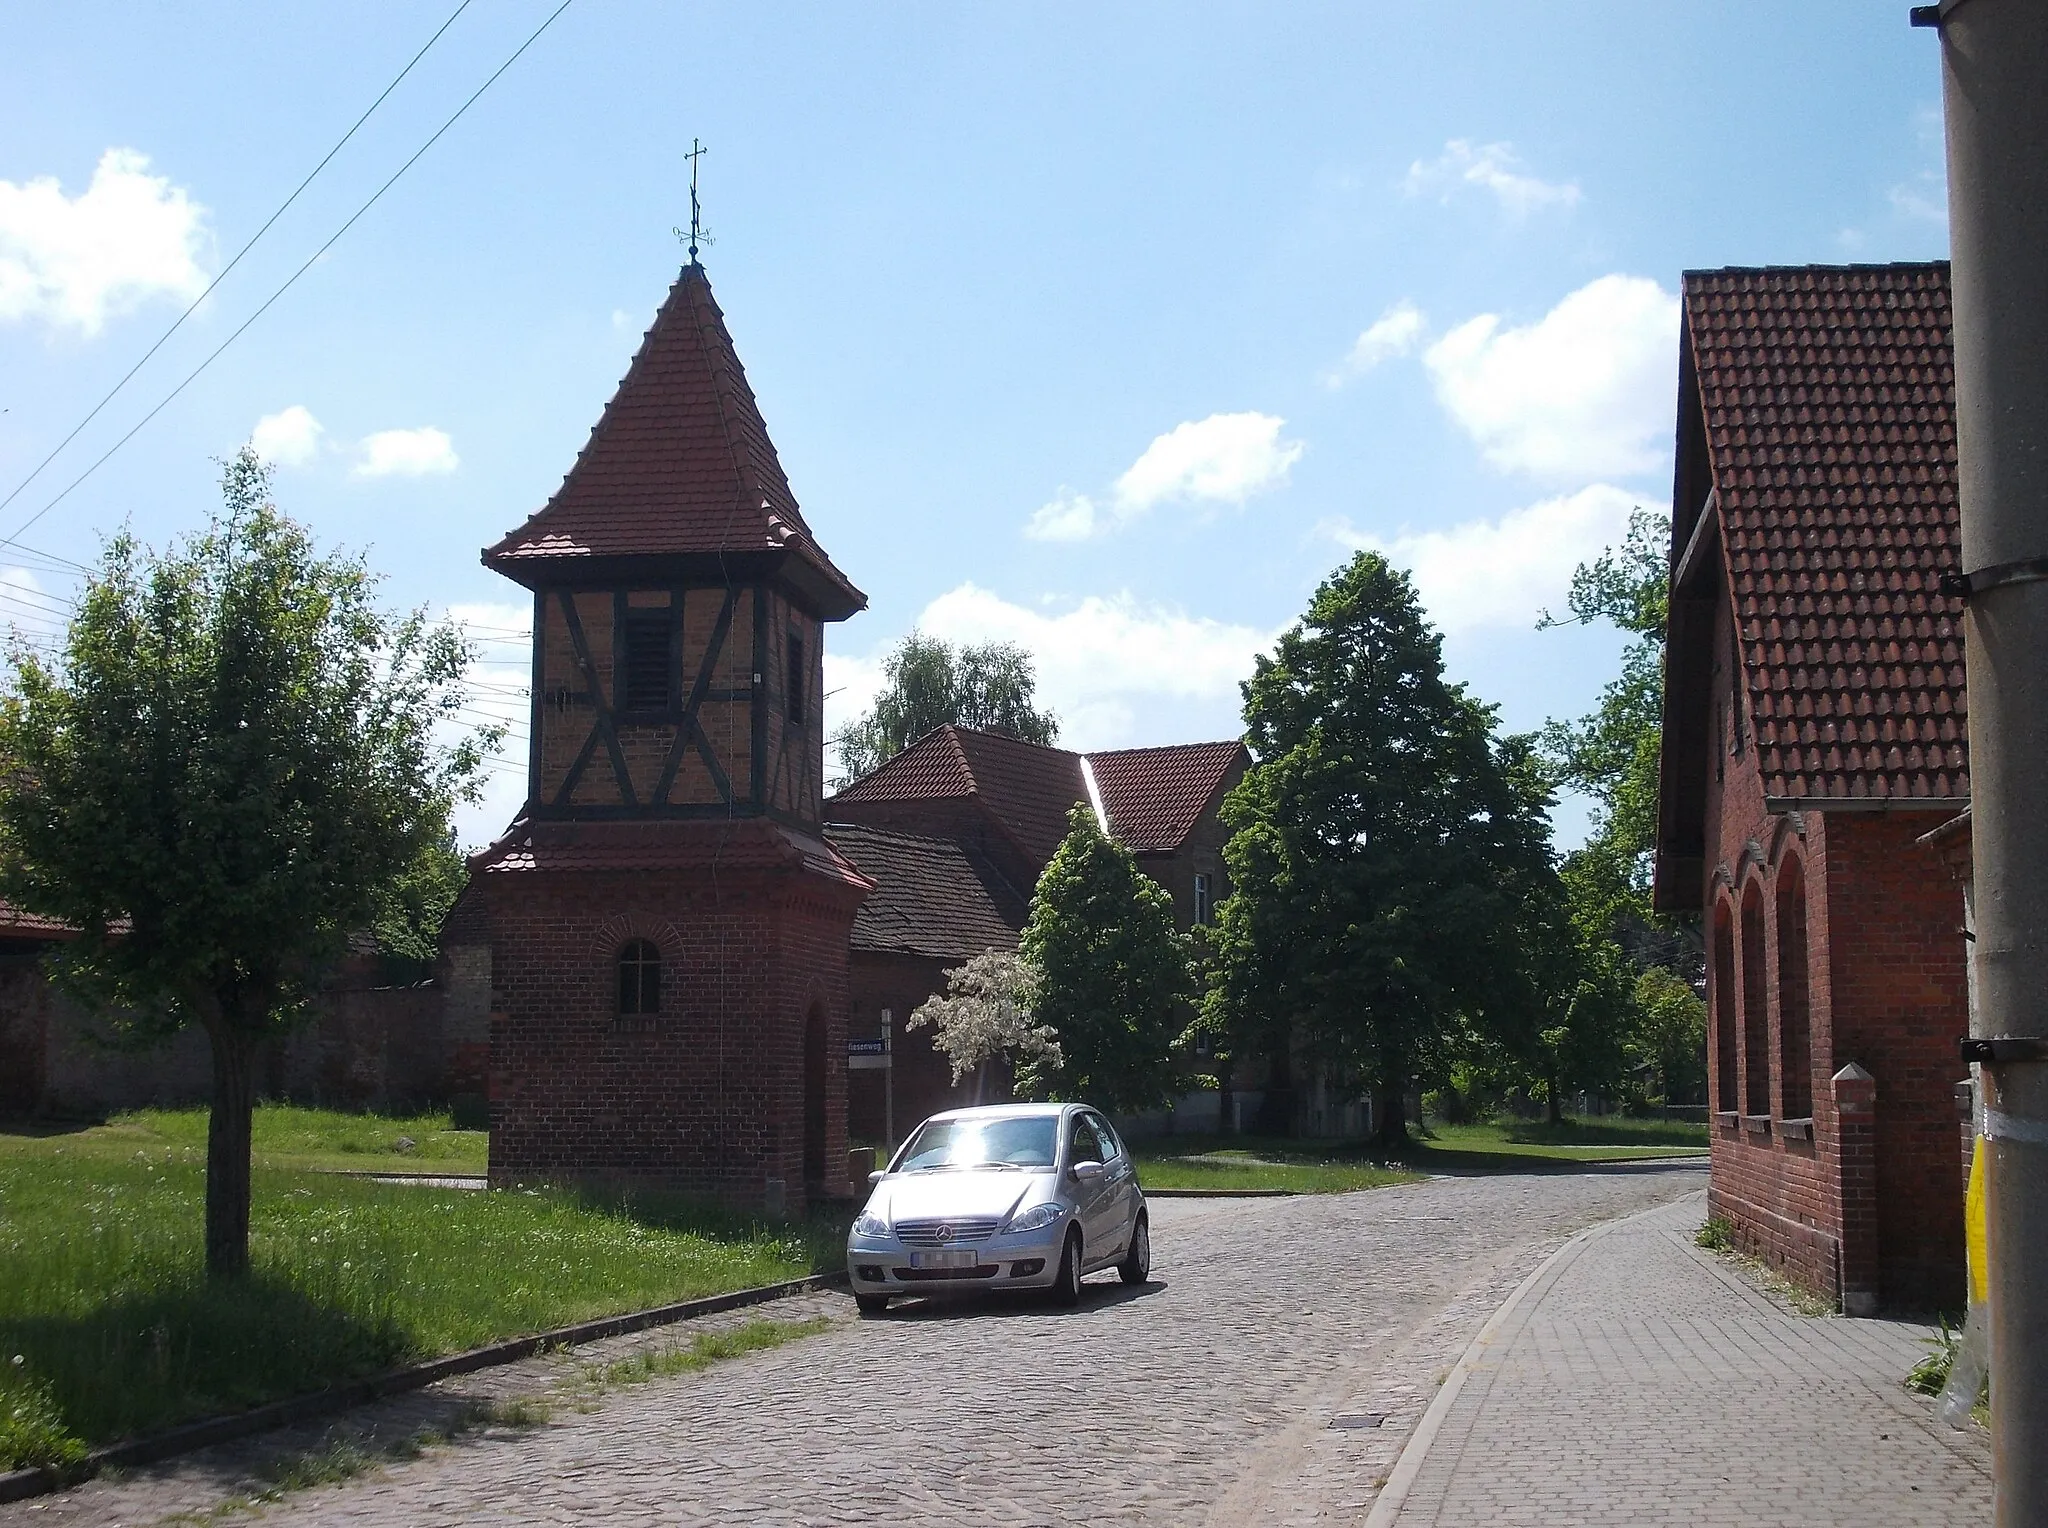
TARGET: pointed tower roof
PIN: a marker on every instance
(679, 468)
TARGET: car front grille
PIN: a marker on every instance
(942, 1275)
(926, 1233)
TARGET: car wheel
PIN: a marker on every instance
(1066, 1289)
(1136, 1267)
(871, 1305)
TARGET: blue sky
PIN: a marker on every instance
(1107, 329)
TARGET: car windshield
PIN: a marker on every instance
(1025, 1142)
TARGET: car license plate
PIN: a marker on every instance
(945, 1257)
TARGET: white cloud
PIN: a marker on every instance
(1585, 391)
(1100, 657)
(1923, 198)
(1492, 167)
(1394, 333)
(1069, 516)
(407, 453)
(76, 261)
(290, 437)
(1225, 458)
(1503, 572)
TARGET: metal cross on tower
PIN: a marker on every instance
(696, 212)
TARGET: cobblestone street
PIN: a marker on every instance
(1206, 1397)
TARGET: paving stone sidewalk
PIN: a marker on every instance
(1641, 1380)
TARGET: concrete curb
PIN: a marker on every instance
(21, 1484)
(1386, 1509)
(1221, 1193)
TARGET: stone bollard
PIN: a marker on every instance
(1856, 1142)
(860, 1161)
(776, 1200)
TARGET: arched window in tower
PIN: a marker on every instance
(639, 979)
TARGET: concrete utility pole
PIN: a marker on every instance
(1994, 57)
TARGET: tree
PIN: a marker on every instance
(929, 683)
(230, 768)
(1113, 974)
(1612, 753)
(1671, 1035)
(986, 1015)
(1382, 845)
(1576, 1010)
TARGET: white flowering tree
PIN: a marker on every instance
(985, 1014)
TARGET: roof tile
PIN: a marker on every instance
(679, 462)
(1828, 398)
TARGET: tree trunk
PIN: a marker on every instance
(1390, 1105)
(227, 1151)
(1554, 1105)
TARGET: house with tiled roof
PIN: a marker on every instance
(955, 830)
(1814, 730)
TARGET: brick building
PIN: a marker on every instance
(1813, 732)
(955, 831)
(664, 931)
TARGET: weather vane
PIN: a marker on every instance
(697, 231)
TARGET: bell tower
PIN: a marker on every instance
(668, 928)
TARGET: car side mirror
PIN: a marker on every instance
(876, 1177)
(1087, 1172)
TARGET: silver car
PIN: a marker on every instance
(1012, 1196)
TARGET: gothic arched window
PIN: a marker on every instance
(639, 978)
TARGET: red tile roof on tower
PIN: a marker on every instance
(1155, 796)
(679, 463)
(1827, 398)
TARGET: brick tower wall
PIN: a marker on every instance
(707, 1096)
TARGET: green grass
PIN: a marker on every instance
(1183, 1164)
(1335, 1167)
(1593, 1140)
(117, 1332)
(284, 1137)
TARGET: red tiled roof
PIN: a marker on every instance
(1152, 796)
(680, 462)
(1027, 788)
(20, 923)
(932, 897)
(1827, 396)
(747, 843)
(1155, 796)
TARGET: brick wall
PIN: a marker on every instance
(923, 1075)
(709, 1094)
(361, 1047)
(1875, 1213)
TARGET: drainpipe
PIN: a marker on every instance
(1994, 60)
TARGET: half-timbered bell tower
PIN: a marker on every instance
(668, 928)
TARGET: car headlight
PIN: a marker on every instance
(1037, 1217)
(870, 1224)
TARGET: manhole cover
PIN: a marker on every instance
(1358, 1419)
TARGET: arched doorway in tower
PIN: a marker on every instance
(814, 1097)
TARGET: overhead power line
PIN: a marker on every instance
(292, 279)
(282, 208)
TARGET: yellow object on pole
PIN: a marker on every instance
(1973, 1228)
